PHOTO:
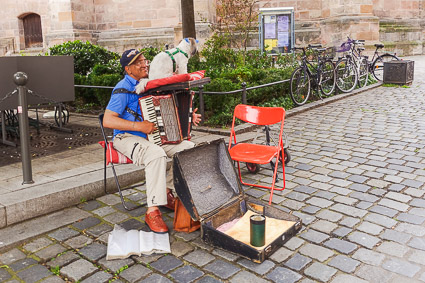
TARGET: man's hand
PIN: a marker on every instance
(145, 127)
(113, 121)
(196, 118)
(140, 87)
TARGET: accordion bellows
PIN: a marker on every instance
(172, 115)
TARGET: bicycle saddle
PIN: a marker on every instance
(379, 45)
(360, 49)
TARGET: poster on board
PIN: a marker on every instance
(276, 30)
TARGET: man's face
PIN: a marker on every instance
(139, 69)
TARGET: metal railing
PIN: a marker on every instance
(201, 92)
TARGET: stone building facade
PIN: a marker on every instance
(121, 24)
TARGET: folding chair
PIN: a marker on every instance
(119, 158)
(258, 153)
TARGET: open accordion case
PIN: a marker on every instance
(209, 188)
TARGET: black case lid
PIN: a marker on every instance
(205, 178)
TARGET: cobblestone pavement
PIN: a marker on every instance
(356, 179)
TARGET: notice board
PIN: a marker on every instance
(276, 26)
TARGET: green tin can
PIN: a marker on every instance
(258, 230)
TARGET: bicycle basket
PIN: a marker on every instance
(330, 52)
(346, 46)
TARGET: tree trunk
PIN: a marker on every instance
(188, 19)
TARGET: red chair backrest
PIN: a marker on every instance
(259, 115)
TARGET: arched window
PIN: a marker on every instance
(32, 31)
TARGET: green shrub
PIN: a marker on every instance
(86, 55)
(103, 95)
(229, 68)
(149, 52)
(83, 95)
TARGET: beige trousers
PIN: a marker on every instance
(154, 158)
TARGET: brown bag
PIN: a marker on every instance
(182, 220)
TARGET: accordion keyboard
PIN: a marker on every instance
(162, 112)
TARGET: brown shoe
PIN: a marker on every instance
(155, 222)
(171, 201)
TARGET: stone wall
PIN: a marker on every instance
(11, 23)
(122, 24)
(57, 18)
(401, 25)
(146, 23)
(329, 22)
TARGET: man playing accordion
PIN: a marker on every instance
(123, 114)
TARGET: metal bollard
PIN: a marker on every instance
(20, 79)
(244, 93)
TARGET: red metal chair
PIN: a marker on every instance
(257, 153)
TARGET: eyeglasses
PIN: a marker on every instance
(142, 63)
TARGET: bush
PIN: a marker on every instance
(83, 95)
(149, 52)
(86, 55)
(229, 68)
(103, 95)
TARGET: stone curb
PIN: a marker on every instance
(57, 195)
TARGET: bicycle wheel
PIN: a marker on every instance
(300, 86)
(327, 80)
(363, 73)
(346, 75)
(65, 117)
(378, 65)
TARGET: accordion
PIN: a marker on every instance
(172, 115)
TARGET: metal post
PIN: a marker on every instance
(202, 104)
(244, 93)
(20, 79)
(60, 115)
(3, 130)
(3, 125)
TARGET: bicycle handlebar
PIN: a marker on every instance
(355, 41)
(315, 46)
(299, 48)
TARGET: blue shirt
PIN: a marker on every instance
(119, 102)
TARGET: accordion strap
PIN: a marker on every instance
(137, 117)
(122, 90)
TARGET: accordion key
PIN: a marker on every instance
(163, 112)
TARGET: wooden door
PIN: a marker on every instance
(32, 31)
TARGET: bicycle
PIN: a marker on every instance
(307, 76)
(362, 63)
(376, 65)
(353, 69)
